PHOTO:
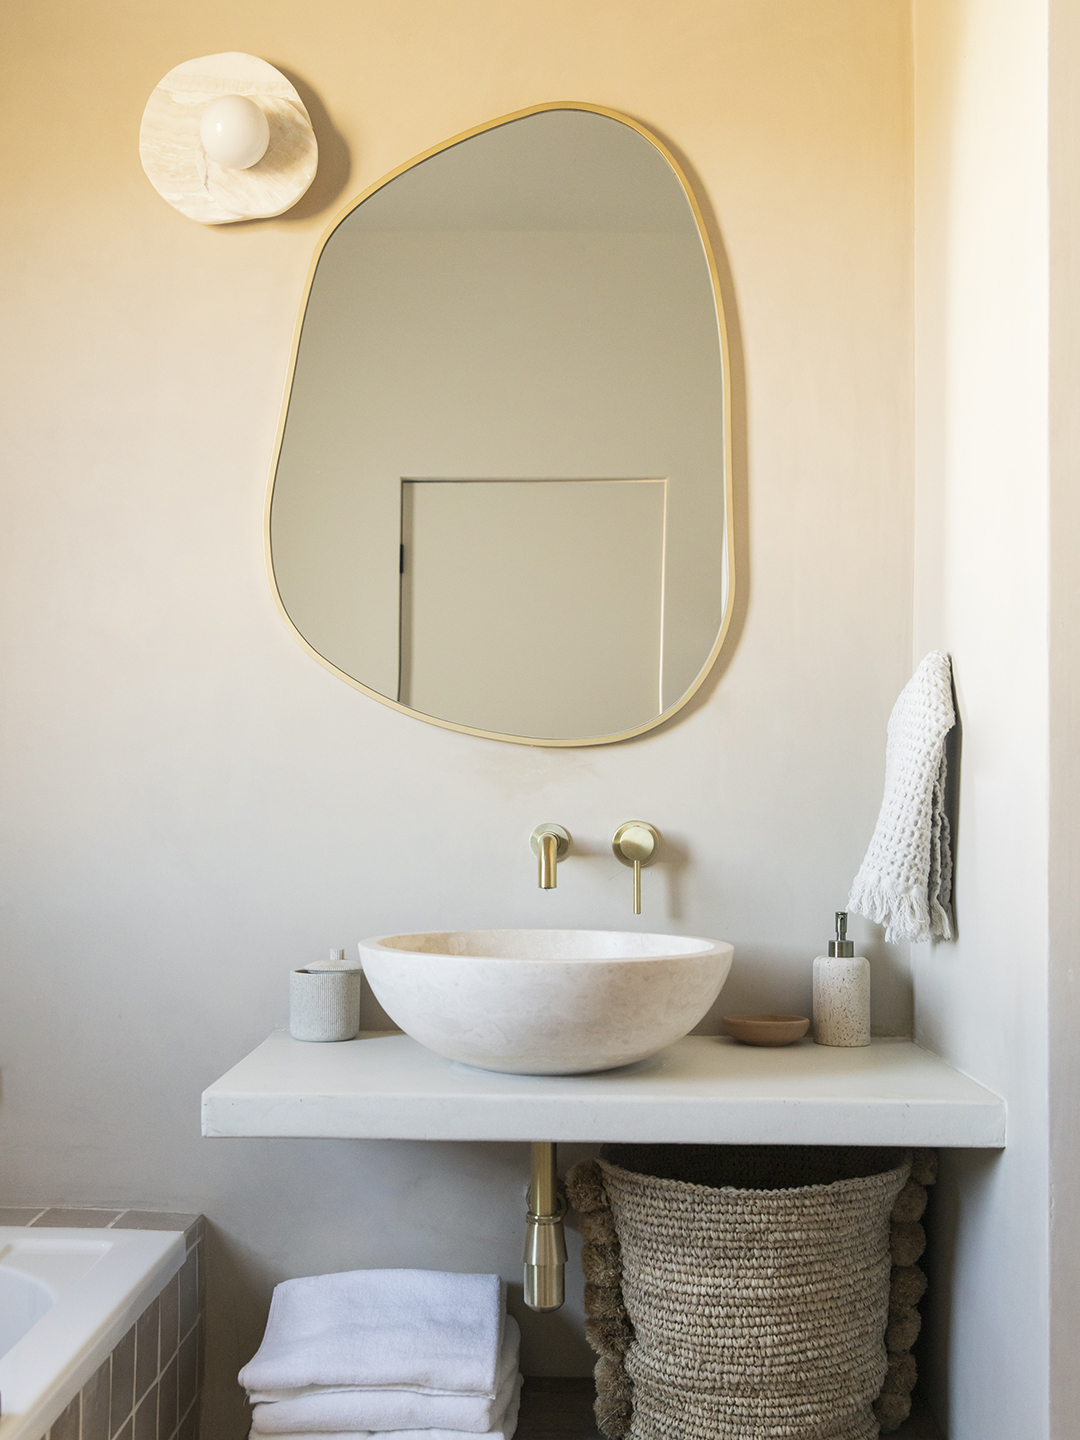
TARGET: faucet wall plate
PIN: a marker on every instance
(560, 834)
(636, 843)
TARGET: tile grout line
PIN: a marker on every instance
(163, 1365)
(179, 1424)
(187, 1412)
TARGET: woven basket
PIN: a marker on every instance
(742, 1292)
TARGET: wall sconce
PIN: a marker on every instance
(227, 138)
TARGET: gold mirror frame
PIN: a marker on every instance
(729, 529)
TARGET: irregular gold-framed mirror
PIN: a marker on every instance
(501, 492)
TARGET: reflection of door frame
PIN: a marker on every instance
(405, 537)
(725, 562)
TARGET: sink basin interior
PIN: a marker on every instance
(574, 945)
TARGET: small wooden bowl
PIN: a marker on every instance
(767, 1029)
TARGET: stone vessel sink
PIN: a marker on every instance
(545, 1002)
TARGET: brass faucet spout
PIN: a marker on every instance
(549, 860)
(549, 843)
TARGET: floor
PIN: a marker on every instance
(562, 1410)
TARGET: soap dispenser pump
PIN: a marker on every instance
(841, 992)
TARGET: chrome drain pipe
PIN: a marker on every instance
(545, 1242)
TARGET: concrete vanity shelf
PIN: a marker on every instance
(705, 1088)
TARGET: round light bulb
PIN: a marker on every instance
(234, 132)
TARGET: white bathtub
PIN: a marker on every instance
(66, 1298)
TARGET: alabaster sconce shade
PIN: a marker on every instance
(235, 132)
(227, 138)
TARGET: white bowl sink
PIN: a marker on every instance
(545, 1002)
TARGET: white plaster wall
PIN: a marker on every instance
(981, 233)
(191, 805)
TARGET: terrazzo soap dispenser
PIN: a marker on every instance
(841, 992)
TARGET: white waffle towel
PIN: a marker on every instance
(905, 881)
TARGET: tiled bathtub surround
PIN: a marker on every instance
(148, 1388)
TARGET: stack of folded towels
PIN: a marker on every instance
(419, 1353)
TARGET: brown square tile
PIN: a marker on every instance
(156, 1220)
(167, 1415)
(67, 1426)
(146, 1418)
(16, 1215)
(189, 1291)
(188, 1372)
(125, 1433)
(194, 1233)
(169, 1301)
(122, 1388)
(146, 1350)
(189, 1426)
(82, 1219)
(200, 1256)
(95, 1404)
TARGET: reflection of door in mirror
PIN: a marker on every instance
(527, 606)
(514, 347)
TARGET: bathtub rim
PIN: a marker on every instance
(140, 1263)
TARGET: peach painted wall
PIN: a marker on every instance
(191, 805)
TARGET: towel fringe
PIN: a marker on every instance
(906, 917)
(940, 922)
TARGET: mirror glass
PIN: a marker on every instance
(501, 492)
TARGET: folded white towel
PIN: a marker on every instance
(356, 1408)
(905, 881)
(422, 1330)
(503, 1430)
